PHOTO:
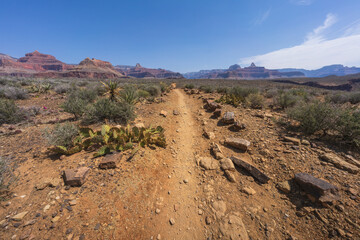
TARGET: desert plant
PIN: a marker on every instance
(13, 93)
(222, 90)
(142, 93)
(10, 112)
(40, 87)
(206, 89)
(112, 89)
(105, 109)
(255, 100)
(164, 87)
(77, 101)
(110, 139)
(154, 90)
(287, 99)
(6, 177)
(189, 86)
(62, 88)
(314, 117)
(61, 134)
(129, 95)
(348, 125)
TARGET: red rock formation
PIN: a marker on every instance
(140, 72)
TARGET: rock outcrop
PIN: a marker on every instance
(141, 72)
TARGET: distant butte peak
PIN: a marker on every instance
(234, 67)
(252, 65)
(138, 65)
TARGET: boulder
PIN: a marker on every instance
(256, 173)
(322, 190)
(75, 178)
(208, 163)
(228, 118)
(238, 143)
(339, 162)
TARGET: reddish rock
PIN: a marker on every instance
(140, 72)
(75, 178)
(110, 161)
(321, 189)
(256, 173)
(238, 143)
(228, 118)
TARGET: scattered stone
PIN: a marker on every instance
(68, 231)
(97, 226)
(19, 216)
(216, 150)
(239, 126)
(72, 202)
(227, 164)
(157, 211)
(284, 186)
(238, 143)
(292, 139)
(219, 208)
(75, 178)
(233, 227)
(228, 118)
(209, 135)
(256, 173)
(54, 182)
(186, 180)
(212, 106)
(320, 189)
(172, 221)
(230, 176)
(208, 220)
(30, 222)
(209, 163)
(110, 161)
(55, 219)
(47, 207)
(175, 112)
(339, 162)
(163, 113)
(248, 190)
(200, 212)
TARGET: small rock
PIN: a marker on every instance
(227, 164)
(157, 211)
(208, 220)
(228, 118)
(230, 176)
(248, 190)
(72, 202)
(175, 112)
(75, 178)
(200, 212)
(163, 113)
(110, 161)
(186, 180)
(208, 163)
(238, 143)
(55, 219)
(284, 186)
(20, 216)
(97, 226)
(172, 221)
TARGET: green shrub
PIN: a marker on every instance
(13, 93)
(142, 93)
(77, 101)
(338, 98)
(6, 177)
(10, 113)
(354, 98)
(62, 88)
(348, 125)
(222, 90)
(255, 100)
(164, 87)
(154, 90)
(61, 134)
(287, 99)
(189, 86)
(105, 109)
(206, 89)
(242, 93)
(314, 117)
(129, 95)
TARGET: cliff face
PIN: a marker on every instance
(236, 72)
(140, 72)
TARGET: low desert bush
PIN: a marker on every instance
(105, 109)
(10, 113)
(255, 100)
(348, 125)
(13, 93)
(206, 89)
(286, 99)
(62, 88)
(314, 117)
(154, 90)
(6, 177)
(142, 93)
(129, 94)
(223, 90)
(189, 86)
(77, 101)
(242, 93)
(61, 134)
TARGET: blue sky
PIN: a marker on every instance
(186, 35)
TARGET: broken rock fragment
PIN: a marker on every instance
(320, 189)
(209, 163)
(256, 173)
(228, 118)
(339, 162)
(238, 126)
(238, 143)
(110, 161)
(75, 178)
(227, 164)
(216, 150)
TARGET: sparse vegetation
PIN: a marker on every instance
(10, 112)
(255, 100)
(13, 93)
(61, 134)
(77, 101)
(189, 86)
(129, 95)
(112, 90)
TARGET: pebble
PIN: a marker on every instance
(157, 211)
(172, 221)
(200, 212)
(186, 180)
(47, 207)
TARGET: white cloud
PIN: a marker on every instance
(302, 2)
(316, 51)
(263, 17)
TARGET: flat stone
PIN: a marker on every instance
(239, 126)
(212, 106)
(238, 143)
(209, 163)
(292, 139)
(75, 178)
(232, 227)
(163, 113)
(284, 186)
(110, 161)
(175, 112)
(172, 221)
(30, 222)
(248, 190)
(19, 216)
(339, 162)
(320, 189)
(217, 113)
(228, 118)
(55, 219)
(256, 173)
(219, 208)
(73, 202)
(350, 159)
(227, 164)
(209, 135)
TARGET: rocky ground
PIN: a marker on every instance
(188, 190)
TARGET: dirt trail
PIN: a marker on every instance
(183, 181)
